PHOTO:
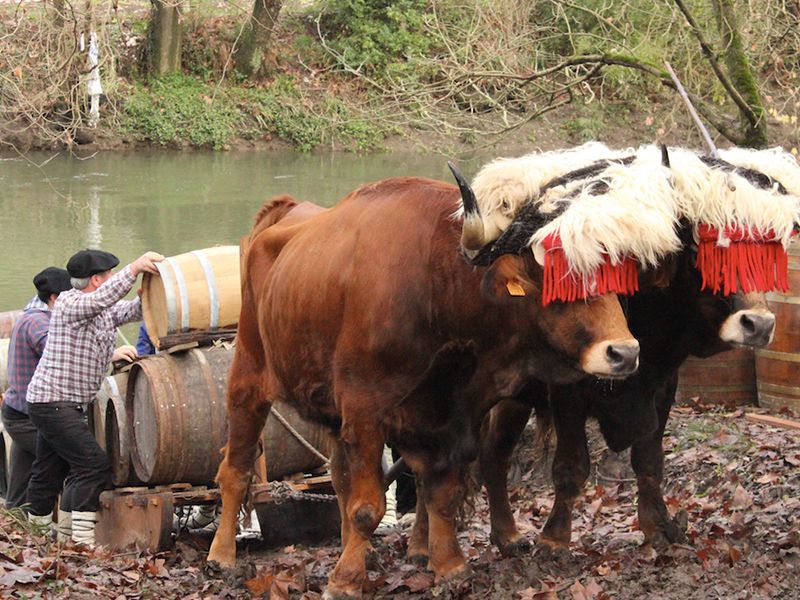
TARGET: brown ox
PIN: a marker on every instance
(366, 318)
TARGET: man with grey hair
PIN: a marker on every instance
(79, 350)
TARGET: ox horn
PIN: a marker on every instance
(665, 156)
(472, 234)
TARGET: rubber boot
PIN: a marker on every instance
(83, 527)
(44, 522)
(64, 527)
(196, 517)
(390, 516)
(202, 516)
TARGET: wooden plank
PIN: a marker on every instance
(774, 421)
(202, 338)
(181, 347)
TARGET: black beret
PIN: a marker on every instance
(90, 262)
(52, 281)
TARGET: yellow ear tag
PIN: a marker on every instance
(515, 289)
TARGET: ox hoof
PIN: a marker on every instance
(334, 594)
(672, 531)
(515, 548)
(419, 560)
(551, 550)
(215, 568)
(454, 575)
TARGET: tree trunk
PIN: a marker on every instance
(166, 35)
(249, 53)
(754, 125)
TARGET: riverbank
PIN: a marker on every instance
(308, 98)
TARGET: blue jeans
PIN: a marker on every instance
(67, 456)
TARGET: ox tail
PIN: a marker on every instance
(273, 211)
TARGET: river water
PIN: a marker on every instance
(163, 201)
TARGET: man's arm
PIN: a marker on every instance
(91, 304)
(37, 336)
(126, 311)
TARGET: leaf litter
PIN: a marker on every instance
(738, 481)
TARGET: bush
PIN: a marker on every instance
(176, 108)
(376, 33)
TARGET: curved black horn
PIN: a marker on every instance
(467, 195)
(472, 231)
(665, 156)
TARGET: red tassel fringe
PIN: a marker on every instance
(751, 260)
(565, 286)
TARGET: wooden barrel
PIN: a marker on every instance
(728, 379)
(177, 410)
(198, 290)
(4, 345)
(178, 416)
(112, 429)
(113, 389)
(284, 453)
(778, 366)
(7, 320)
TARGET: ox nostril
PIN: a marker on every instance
(748, 324)
(757, 327)
(622, 358)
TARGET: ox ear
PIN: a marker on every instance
(507, 280)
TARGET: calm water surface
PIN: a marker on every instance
(168, 202)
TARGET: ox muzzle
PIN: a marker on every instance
(613, 359)
(751, 327)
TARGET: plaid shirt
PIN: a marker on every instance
(27, 344)
(37, 304)
(83, 329)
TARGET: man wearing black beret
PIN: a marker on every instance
(79, 350)
(25, 349)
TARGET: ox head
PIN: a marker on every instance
(591, 335)
(720, 321)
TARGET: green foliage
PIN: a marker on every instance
(585, 127)
(284, 110)
(376, 34)
(177, 108)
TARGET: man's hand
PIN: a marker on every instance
(127, 353)
(146, 263)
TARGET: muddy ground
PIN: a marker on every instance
(738, 480)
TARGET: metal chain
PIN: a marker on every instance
(281, 491)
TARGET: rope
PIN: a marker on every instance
(299, 437)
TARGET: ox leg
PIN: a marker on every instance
(364, 505)
(570, 463)
(247, 412)
(647, 459)
(499, 436)
(444, 495)
(418, 541)
(341, 485)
